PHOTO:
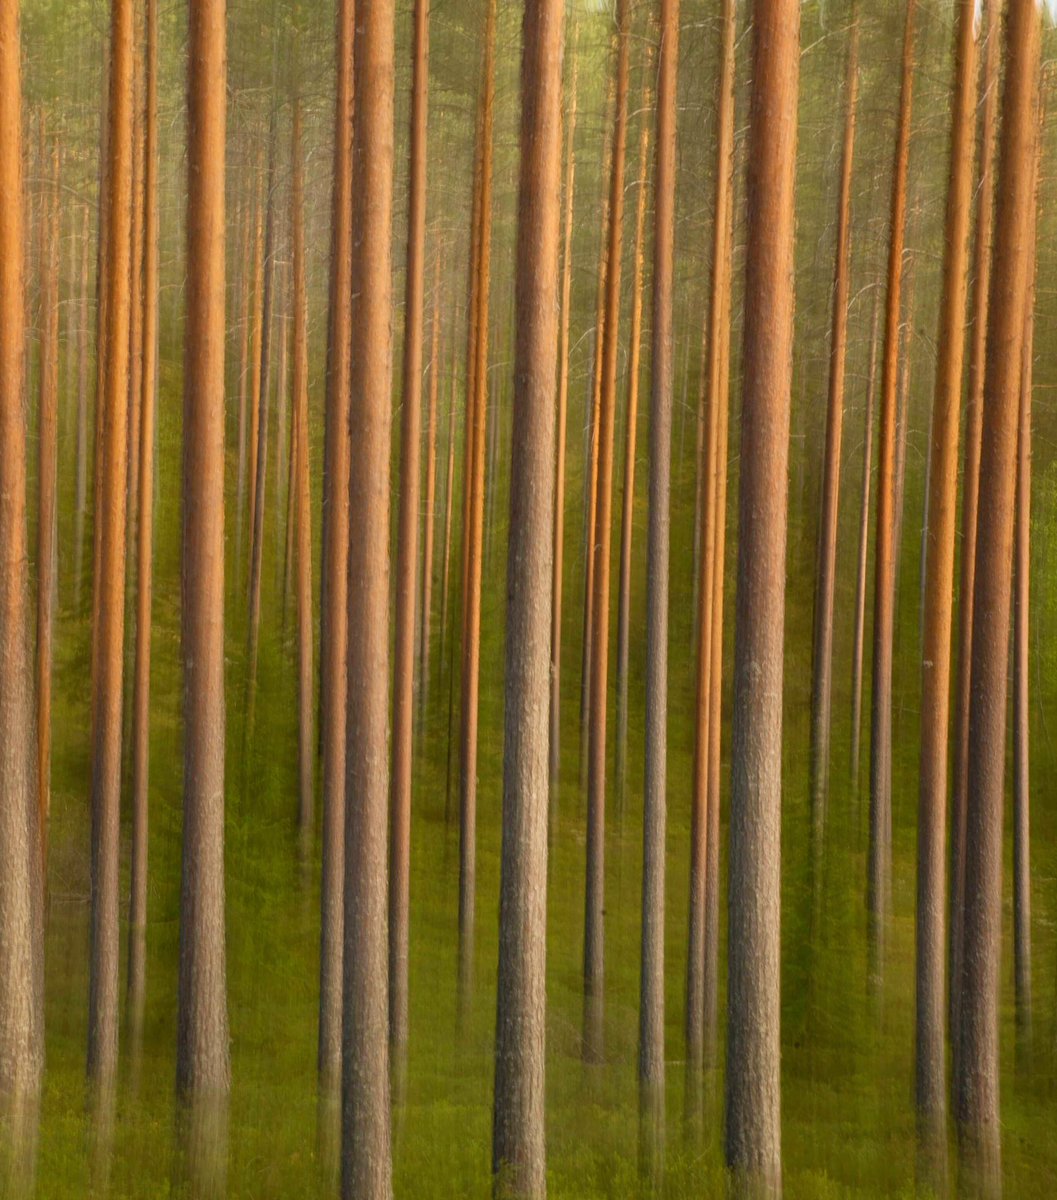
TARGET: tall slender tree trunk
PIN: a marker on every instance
(880, 856)
(407, 544)
(655, 803)
(21, 958)
(306, 692)
(931, 1083)
(471, 648)
(558, 563)
(47, 465)
(976, 1064)
(110, 581)
(81, 477)
(859, 637)
(245, 297)
(449, 498)
(248, 465)
(429, 514)
(822, 659)
(715, 400)
(334, 579)
(987, 123)
(519, 1158)
(594, 900)
(627, 509)
(753, 1124)
(137, 937)
(366, 1163)
(202, 1063)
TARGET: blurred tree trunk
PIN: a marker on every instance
(753, 1124)
(977, 1061)
(248, 465)
(430, 506)
(81, 477)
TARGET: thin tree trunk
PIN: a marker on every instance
(655, 804)
(21, 959)
(561, 433)
(110, 607)
(931, 1082)
(429, 516)
(449, 497)
(714, 400)
(366, 1162)
(864, 546)
(306, 694)
(202, 1062)
(627, 510)
(987, 123)
(753, 1126)
(976, 1064)
(407, 545)
(137, 937)
(47, 463)
(822, 661)
(334, 579)
(519, 1161)
(880, 855)
(248, 468)
(246, 292)
(81, 479)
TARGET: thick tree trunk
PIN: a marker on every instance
(366, 1164)
(987, 123)
(407, 542)
(21, 958)
(594, 899)
(334, 578)
(880, 855)
(822, 659)
(931, 1083)
(753, 1126)
(977, 1063)
(558, 564)
(202, 1063)
(137, 921)
(655, 803)
(110, 606)
(519, 1161)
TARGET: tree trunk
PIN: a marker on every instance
(753, 1129)
(429, 515)
(519, 1161)
(449, 498)
(47, 463)
(987, 122)
(655, 805)
(81, 478)
(407, 543)
(247, 477)
(594, 901)
(137, 937)
(246, 291)
(202, 1064)
(880, 855)
(334, 578)
(21, 958)
(976, 1064)
(110, 607)
(627, 509)
(864, 546)
(558, 562)
(931, 1083)
(822, 660)
(366, 1164)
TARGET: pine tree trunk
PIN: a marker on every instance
(753, 1123)
(81, 477)
(430, 503)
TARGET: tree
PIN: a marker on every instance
(202, 1064)
(880, 856)
(976, 1063)
(594, 899)
(655, 803)
(753, 1146)
(334, 577)
(144, 543)
(112, 419)
(518, 1138)
(366, 1166)
(21, 958)
(407, 541)
(931, 1089)
(822, 660)
(430, 507)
